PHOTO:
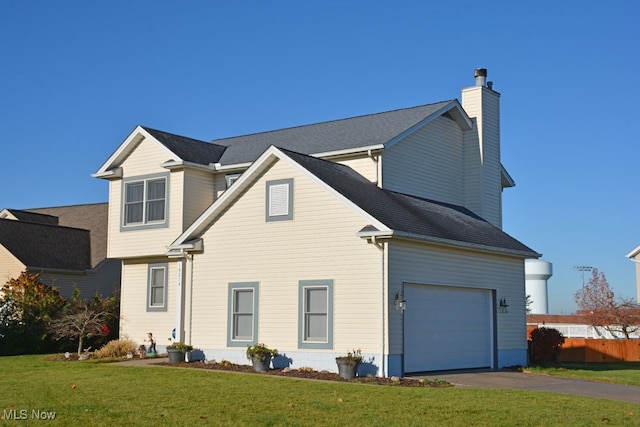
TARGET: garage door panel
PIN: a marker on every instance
(447, 328)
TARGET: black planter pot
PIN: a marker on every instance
(261, 365)
(175, 355)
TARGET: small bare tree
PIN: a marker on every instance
(81, 319)
(599, 305)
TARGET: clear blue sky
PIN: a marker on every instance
(77, 76)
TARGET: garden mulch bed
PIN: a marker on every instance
(311, 374)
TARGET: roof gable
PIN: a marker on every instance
(356, 133)
(179, 149)
(383, 211)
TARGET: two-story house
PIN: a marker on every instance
(380, 232)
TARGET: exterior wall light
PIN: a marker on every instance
(400, 302)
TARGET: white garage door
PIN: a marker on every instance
(447, 328)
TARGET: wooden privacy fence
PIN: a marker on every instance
(599, 350)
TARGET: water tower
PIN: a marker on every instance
(536, 274)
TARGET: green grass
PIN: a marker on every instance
(627, 373)
(88, 393)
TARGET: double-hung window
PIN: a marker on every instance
(315, 323)
(145, 201)
(242, 323)
(157, 287)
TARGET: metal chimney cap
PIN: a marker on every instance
(480, 72)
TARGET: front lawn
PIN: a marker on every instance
(89, 393)
(627, 373)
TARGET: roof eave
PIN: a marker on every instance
(181, 164)
(634, 253)
(401, 235)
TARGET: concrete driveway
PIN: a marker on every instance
(524, 381)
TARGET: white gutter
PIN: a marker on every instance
(445, 242)
(109, 174)
(347, 151)
(181, 164)
(233, 167)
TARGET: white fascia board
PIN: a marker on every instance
(6, 214)
(181, 164)
(506, 180)
(634, 253)
(266, 159)
(110, 174)
(229, 168)
(129, 144)
(452, 105)
(464, 245)
(348, 151)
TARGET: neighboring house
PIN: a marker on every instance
(634, 256)
(572, 326)
(379, 232)
(66, 245)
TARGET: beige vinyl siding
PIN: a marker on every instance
(10, 266)
(198, 194)
(144, 161)
(484, 185)
(364, 165)
(428, 163)
(430, 265)
(135, 320)
(319, 243)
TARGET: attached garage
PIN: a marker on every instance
(448, 328)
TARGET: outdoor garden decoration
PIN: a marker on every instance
(348, 365)
(177, 351)
(260, 356)
(151, 351)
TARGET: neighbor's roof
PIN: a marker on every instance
(46, 246)
(92, 217)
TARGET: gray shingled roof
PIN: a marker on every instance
(409, 214)
(92, 217)
(34, 217)
(188, 149)
(46, 246)
(355, 132)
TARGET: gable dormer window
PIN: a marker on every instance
(145, 201)
(279, 203)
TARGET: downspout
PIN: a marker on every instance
(376, 160)
(383, 361)
(188, 297)
(179, 330)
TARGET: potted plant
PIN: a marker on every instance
(177, 351)
(260, 356)
(348, 365)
